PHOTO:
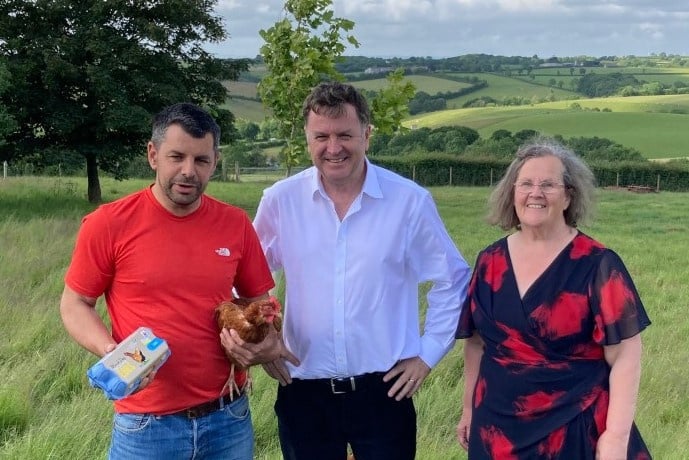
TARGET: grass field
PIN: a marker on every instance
(654, 125)
(48, 411)
(426, 83)
(666, 75)
(501, 87)
(645, 123)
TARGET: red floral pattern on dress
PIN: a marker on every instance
(479, 392)
(551, 447)
(543, 379)
(494, 267)
(582, 247)
(532, 405)
(564, 317)
(497, 444)
(615, 295)
(517, 349)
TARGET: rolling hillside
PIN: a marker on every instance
(654, 125)
(427, 83)
(501, 87)
(646, 123)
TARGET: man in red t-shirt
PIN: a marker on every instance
(164, 257)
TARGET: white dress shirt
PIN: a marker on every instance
(352, 286)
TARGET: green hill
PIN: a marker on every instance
(502, 87)
(654, 125)
(427, 83)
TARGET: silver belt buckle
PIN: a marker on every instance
(352, 384)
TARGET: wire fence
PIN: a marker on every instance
(437, 175)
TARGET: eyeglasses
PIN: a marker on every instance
(546, 187)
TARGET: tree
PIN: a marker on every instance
(391, 105)
(524, 135)
(300, 51)
(269, 129)
(86, 75)
(595, 85)
(7, 122)
(500, 134)
(248, 129)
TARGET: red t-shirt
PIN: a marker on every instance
(168, 273)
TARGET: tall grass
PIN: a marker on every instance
(47, 409)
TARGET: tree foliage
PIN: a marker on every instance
(391, 104)
(299, 52)
(449, 139)
(7, 122)
(86, 75)
(601, 85)
(602, 149)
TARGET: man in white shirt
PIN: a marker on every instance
(354, 241)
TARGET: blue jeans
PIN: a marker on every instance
(224, 434)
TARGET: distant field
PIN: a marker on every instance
(655, 125)
(500, 87)
(544, 79)
(246, 110)
(241, 88)
(666, 76)
(242, 108)
(677, 103)
(427, 84)
(252, 111)
(639, 122)
(636, 71)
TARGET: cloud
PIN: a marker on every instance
(443, 28)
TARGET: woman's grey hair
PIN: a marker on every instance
(191, 118)
(577, 177)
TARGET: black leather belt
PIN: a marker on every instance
(343, 385)
(209, 406)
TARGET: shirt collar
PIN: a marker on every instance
(371, 185)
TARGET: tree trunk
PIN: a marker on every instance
(94, 194)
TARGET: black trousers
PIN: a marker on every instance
(318, 418)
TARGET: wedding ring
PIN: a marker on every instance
(412, 380)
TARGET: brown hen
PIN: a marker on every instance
(252, 321)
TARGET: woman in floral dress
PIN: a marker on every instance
(552, 322)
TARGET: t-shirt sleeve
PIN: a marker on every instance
(253, 276)
(615, 303)
(92, 267)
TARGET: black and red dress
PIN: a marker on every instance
(542, 388)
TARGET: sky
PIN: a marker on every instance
(447, 28)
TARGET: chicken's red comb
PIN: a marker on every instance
(274, 300)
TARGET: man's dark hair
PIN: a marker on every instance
(193, 119)
(329, 99)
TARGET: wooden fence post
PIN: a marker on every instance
(450, 175)
(658, 184)
(223, 170)
(413, 173)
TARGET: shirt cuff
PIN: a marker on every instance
(432, 352)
